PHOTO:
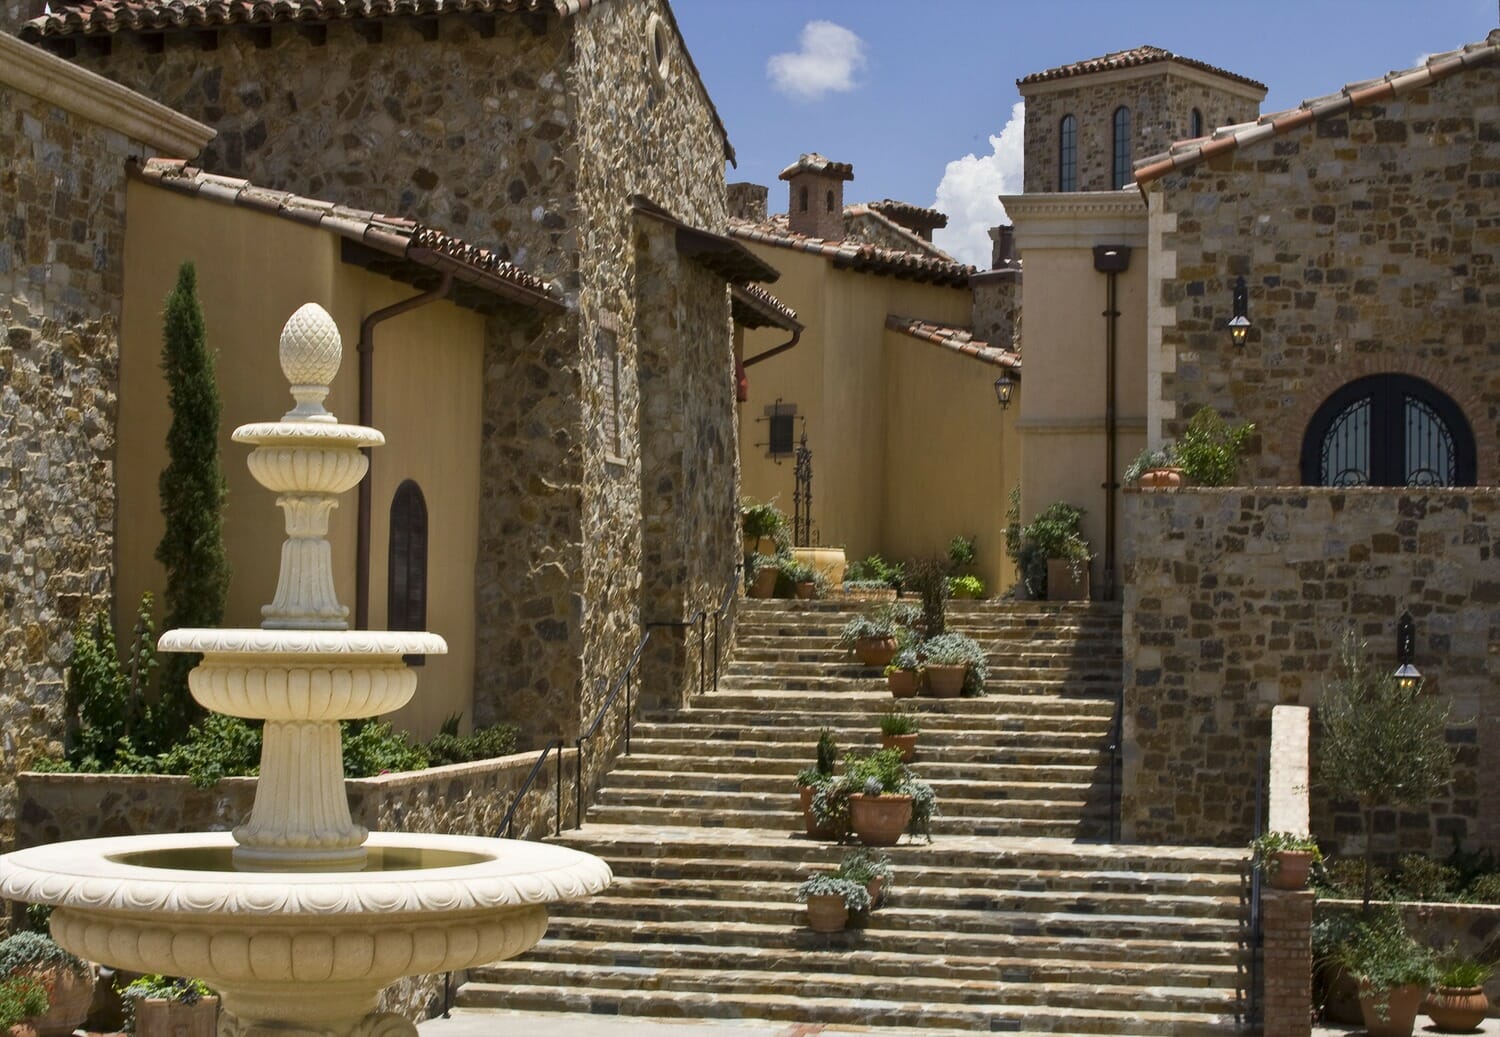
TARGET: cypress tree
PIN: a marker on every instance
(192, 492)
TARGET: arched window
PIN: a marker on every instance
(1067, 154)
(802, 199)
(1388, 430)
(1121, 168)
(830, 201)
(406, 584)
(1196, 128)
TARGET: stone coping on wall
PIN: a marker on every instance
(1324, 491)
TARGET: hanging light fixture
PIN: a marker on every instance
(1239, 324)
(1005, 385)
(1407, 675)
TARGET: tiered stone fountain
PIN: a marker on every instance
(300, 917)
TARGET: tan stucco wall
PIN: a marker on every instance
(1064, 343)
(253, 271)
(876, 410)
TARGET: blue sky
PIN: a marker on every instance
(903, 88)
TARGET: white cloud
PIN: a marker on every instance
(829, 58)
(970, 188)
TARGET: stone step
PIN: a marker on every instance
(777, 786)
(777, 811)
(933, 714)
(612, 841)
(956, 606)
(937, 943)
(906, 896)
(1059, 881)
(866, 730)
(877, 683)
(1082, 825)
(893, 1011)
(1004, 761)
(915, 990)
(1076, 644)
(1011, 748)
(954, 778)
(998, 669)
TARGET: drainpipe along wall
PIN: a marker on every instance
(1110, 260)
(367, 417)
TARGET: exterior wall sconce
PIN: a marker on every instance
(1406, 674)
(1004, 386)
(1239, 324)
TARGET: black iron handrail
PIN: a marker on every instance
(622, 683)
(1255, 938)
(731, 591)
(503, 832)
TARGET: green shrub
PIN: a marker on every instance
(766, 520)
(1057, 532)
(21, 997)
(485, 743)
(26, 951)
(965, 587)
(1459, 971)
(166, 988)
(1383, 956)
(897, 721)
(371, 747)
(929, 578)
(958, 650)
(1485, 889)
(853, 894)
(877, 569)
(217, 746)
(1210, 450)
(961, 552)
(827, 753)
(1419, 877)
(106, 694)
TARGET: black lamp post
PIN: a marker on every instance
(1004, 386)
(1406, 674)
(1239, 324)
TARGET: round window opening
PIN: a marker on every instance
(656, 29)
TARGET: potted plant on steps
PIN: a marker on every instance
(885, 798)
(1051, 555)
(22, 999)
(952, 665)
(760, 576)
(871, 870)
(1459, 1004)
(872, 638)
(1154, 468)
(1393, 970)
(765, 528)
(903, 675)
(810, 779)
(830, 900)
(167, 1006)
(67, 980)
(801, 578)
(898, 730)
(1285, 858)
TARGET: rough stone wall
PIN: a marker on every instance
(647, 130)
(62, 204)
(875, 231)
(748, 201)
(1473, 928)
(997, 308)
(1369, 244)
(1237, 601)
(1160, 104)
(819, 219)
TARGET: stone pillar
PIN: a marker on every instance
(1286, 928)
(748, 201)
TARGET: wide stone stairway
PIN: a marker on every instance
(1018, 917)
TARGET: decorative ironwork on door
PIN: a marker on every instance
(802, 531)
(1388, 430)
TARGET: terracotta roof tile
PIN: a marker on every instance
(1132, 58)
(856, 255)
(902, 212)
(754, 307)
(1186, 153)
(393, 235)
(812, 162)
(954, 339)
(110, 16)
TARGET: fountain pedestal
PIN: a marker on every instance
(300, 917)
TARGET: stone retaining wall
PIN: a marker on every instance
(1236, 600)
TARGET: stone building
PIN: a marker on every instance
(1088, 121)
(575, 139)
(66, 135)
(889, 342)
(1364, 227)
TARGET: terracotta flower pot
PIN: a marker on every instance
(875, 887)
(1401, 1009)
(879, 820)
(875, 651)
(158, 1017)
(21, 1029)
(807, 591)
(906, 743)
(809, 823)
(826, 913)
(903, 683)
(1457, 1009)
(1158, 478)
(68, 997)
(945, 682)
(764, 584)
(1291, 869)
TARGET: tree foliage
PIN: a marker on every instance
(192, 492)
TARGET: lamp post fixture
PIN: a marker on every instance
(1406, 674)
(1239, 324)
(1004, 386)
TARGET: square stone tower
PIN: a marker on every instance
(1087, 122)
(815, 201)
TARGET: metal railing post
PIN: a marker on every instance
(578, 785)
(627, 712)
(557, 820)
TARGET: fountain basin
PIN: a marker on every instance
(311, 949)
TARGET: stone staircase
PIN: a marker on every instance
(1017, 917)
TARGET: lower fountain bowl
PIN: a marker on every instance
(300, 949)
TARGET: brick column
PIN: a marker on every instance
(1286, 927)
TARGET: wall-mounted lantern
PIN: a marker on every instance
(1005, 385)
(1407, 675)
(1239, 324)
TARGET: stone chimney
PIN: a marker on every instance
(815, 199)
(1003, 249)
(748, 201)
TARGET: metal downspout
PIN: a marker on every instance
(367, 417)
